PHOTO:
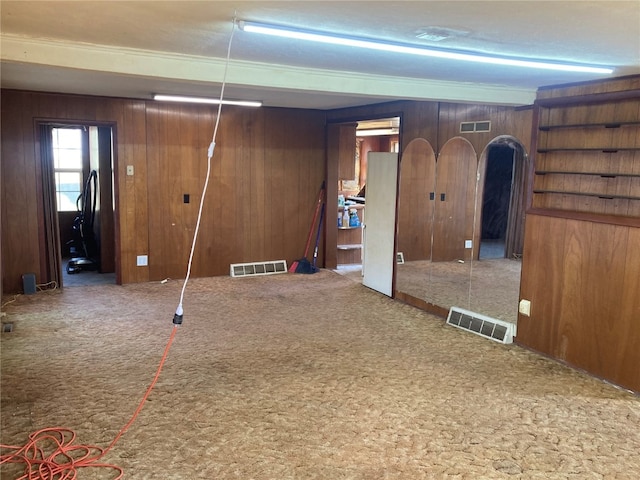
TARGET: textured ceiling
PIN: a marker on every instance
(137, 48)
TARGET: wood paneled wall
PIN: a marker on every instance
(581, 267)
(267, 168)
(438, 123)
(583, 281)
(515, 122)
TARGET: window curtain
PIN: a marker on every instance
(52, 258)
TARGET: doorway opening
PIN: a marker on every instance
(496, 200)
(503, 199)
(78, 199)
(355, 140)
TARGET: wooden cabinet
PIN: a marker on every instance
(349, 249)
(347, 151)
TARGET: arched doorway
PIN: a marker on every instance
(500, 222)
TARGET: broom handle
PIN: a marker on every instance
(313, 223)
(315, 251)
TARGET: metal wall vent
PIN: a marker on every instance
(475, 127)
(258, 268)
(399, 258)
(492, 328)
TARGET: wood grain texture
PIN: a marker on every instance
(415, 207)
(582, 280)
(267, 169)
(455, 200)
(580, 267)
(20, 251)
(593, 134)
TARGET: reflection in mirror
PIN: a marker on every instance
(445, 192)
(416, 200)
(450, 260)
(499, 230)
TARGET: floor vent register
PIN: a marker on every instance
(491, 328)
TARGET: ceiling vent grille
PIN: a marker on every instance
(258, 268)
(491, 328)
(475, 127)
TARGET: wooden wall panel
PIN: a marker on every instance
(615, 85)
(581, 269)
(542, 260)
(415, 207)
(504, 121)
(134, 201)
(456, 171)
(301, 162)
(20, 252)
(267, 168)
(582, 280)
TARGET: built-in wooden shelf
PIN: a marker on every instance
(353, 246)
(590, 149)
(546, 128)
(604, 196)
(595, 174)
(589, 99)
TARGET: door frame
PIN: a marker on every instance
(331, 172)
(50, 271)
(515, 224)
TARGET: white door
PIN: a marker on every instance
(379, 222)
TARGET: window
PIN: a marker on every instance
(67, 164)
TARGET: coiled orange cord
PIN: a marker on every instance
(63, 458)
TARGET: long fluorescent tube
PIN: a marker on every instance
(213, 101)
(313, 36)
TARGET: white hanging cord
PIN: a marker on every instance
(177, 318)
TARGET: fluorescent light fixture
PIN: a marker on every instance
(372, 132)
(213, 101)
(333, 39)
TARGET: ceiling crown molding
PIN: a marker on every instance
(190, 68)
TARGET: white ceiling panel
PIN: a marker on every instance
(137, 48)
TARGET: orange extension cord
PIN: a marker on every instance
(63, 462)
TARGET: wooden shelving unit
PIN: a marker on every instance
(349, 248)
(588, 157)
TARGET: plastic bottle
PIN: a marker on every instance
(354, 220)
(345, 217)
(339, 219)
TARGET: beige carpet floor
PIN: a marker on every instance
(301, 377)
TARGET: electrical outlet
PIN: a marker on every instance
(525, 307)
(142, 261)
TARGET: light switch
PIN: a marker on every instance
(142, 261)
(129, 170)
